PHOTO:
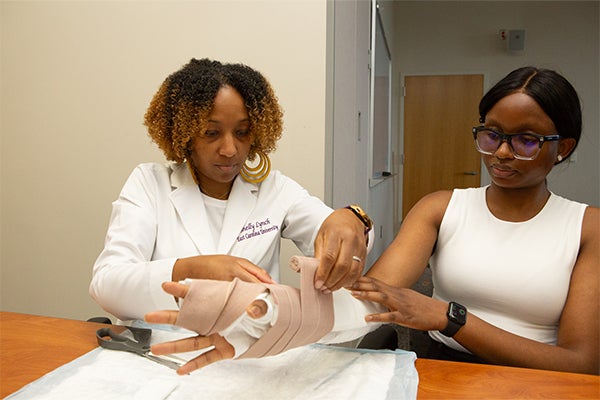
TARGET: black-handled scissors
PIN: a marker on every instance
(140, 346)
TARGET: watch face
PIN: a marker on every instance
(457, 313)
(362, 215)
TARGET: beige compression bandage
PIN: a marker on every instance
(303, 316)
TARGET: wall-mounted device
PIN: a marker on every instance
(515, 39)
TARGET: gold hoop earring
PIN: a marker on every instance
(260, 172)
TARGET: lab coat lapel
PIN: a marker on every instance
(240, 205)
(188, 202)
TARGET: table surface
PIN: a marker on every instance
(31, 346)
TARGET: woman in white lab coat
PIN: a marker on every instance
(208, 213)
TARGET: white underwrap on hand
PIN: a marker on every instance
(349, 318)
(349, 322)
(245, 331)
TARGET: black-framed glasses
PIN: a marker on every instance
(524, 146)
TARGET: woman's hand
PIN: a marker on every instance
(340, 238)
(221, 349)
(406, 306)
(219, 267)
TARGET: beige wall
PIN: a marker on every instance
(76, 78)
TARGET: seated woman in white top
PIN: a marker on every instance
(516, 268)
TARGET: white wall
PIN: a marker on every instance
(76, 79)
(462, 37)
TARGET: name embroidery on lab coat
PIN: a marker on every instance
(258, 228)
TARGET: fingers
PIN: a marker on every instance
(341, 263)
(357, 265)
(325, 263)
(257, 308)
(176, 289)
(182, 345)
(345, 272)
(368, 287)
(220, 267)
(256, 273)
(341, 249)
(162, 317)
(367, 284)
(221, 350)
(376, 296)
(371, 289)
(388, 317)
(212, 356)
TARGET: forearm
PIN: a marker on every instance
(130, 290)
(405, 259)
(576, 349)
(398, 268)
(498, 346)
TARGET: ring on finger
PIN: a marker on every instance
(357, 259)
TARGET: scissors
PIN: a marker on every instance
(140, 345)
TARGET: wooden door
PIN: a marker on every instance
(439, 153)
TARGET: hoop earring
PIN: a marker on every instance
(260, 172)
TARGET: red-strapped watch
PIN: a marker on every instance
(364, 218)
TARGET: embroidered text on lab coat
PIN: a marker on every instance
(258, 228)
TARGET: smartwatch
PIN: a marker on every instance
(457, 317)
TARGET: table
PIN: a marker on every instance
(31, 346)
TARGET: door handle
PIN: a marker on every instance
(470, 173)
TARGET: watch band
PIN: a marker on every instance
(362, 216)
(451, 329)
(364, 219)
(457, 317)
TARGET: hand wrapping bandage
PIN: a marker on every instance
(303, 316)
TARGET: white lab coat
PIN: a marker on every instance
(160, 216)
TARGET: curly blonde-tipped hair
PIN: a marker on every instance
(180, 109)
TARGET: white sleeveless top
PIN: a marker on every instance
(514, 275)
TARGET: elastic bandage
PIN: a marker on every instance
(302, 316)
